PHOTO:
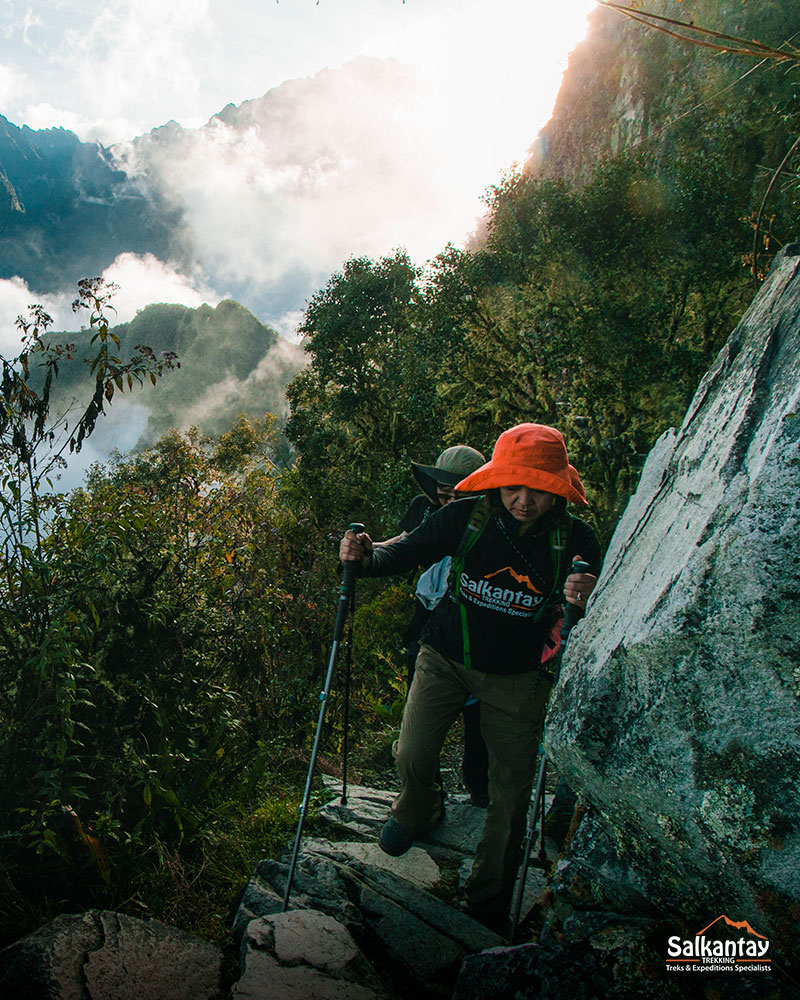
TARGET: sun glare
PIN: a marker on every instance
(493, 72)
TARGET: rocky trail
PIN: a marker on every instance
(360, 925)
(350, 901)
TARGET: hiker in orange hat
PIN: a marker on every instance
(511, 546)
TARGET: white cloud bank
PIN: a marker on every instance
(142, 280)
(121, 67)
(278, 193)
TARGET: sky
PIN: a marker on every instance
(417, 142)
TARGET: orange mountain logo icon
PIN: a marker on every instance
(526, 580)
(741, 925)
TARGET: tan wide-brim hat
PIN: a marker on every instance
(532, 455)
(451, 467)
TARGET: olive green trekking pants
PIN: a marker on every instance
(512, 715)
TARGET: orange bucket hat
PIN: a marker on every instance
(532, 455)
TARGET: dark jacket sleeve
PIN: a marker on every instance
(438, 536)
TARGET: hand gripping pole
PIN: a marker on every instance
(572, 615)
(346, 594)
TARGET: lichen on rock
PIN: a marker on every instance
(676, 716)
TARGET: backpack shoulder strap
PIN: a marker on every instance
(560, 535)
(477, 522)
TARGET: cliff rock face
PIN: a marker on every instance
(630, 87)
(677, 714)
(602, 106)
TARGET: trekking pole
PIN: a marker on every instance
(346, 593)
(572, 615)
(348, 663)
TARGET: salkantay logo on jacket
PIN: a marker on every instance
(519, 598)
(720, 951)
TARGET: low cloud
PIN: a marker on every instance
(142, 280)
(287, 325)
(15, 300)
(43, 115)
(280, 192)
(118, 429)
(225, 399)
(145, 279)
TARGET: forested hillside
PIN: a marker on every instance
(163, 630)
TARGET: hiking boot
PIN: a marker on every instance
(394, 839)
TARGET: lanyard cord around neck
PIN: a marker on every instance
(558, 540)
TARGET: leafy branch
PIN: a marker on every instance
(705, 37)
(33, 439)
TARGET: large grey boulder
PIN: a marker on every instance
(676, 715)
(101, 955)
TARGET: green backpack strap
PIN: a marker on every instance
(559, 537)
(477, 522)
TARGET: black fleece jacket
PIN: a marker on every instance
(507, 583)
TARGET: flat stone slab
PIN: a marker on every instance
(362, 814)
(460, 830)
(416, 866)
(412, 944)
(303, 955)
(366, 810)
(435, 913)
(319, 883)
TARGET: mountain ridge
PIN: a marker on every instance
(230, 363)
(69, 209)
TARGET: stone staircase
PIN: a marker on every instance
(396, 922)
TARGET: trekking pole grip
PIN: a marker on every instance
(349, 565)
(572, 613)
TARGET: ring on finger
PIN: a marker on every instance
(579, 596)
